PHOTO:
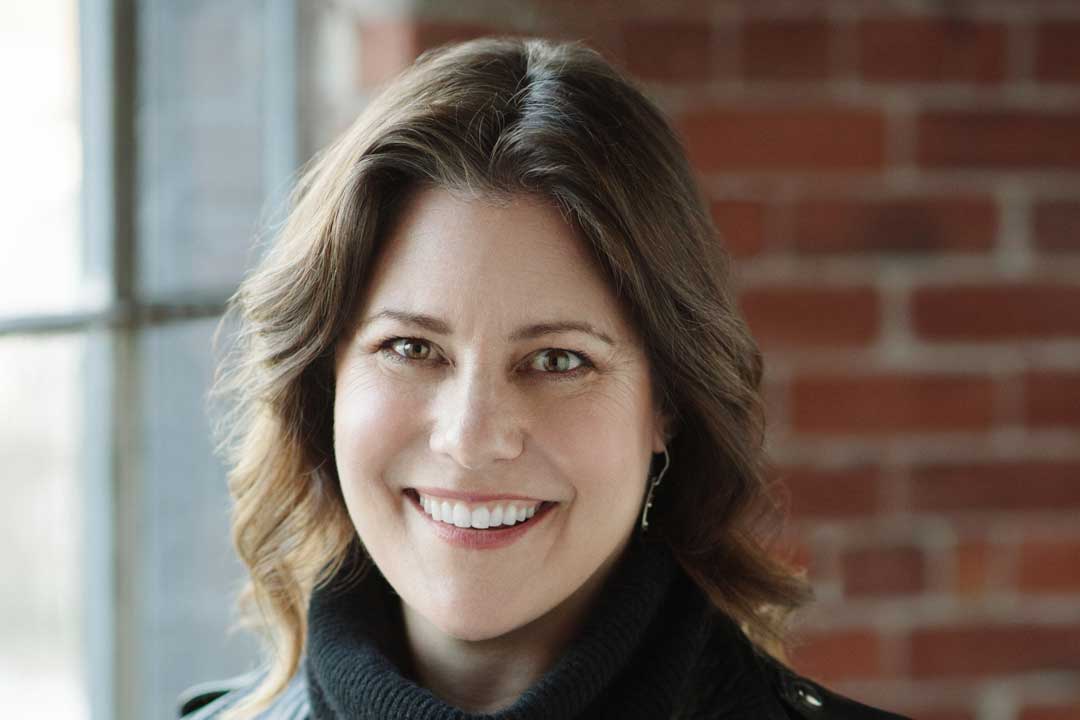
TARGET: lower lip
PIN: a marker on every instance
(481, 539)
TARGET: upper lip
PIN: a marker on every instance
(472, 496)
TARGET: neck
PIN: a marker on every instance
(485, 676)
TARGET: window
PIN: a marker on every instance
(152, 139)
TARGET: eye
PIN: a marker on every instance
(556, 361)
(560, 363)
(408, 352)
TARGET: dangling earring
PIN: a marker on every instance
(652, 486)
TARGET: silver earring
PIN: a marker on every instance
(652, 486)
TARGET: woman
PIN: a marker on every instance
(497, 450)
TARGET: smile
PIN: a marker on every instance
(479, 525)
(477, 515)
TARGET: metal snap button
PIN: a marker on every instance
(808, 695)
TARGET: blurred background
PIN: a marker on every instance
(899, 182)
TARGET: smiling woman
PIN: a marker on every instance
(486, 414)
(497, 318)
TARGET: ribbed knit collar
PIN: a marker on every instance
(638, 649)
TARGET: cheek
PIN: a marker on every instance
(602, 442)
(371, 420)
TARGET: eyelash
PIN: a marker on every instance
(585, 366)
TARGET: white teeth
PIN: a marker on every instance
(479, 516)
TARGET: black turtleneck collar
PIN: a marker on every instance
(640, 649)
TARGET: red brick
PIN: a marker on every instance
(669, 50)
(1057, 51)
(962, 224)
(943, 49)
(1005, 311)
(741, 226)
(785, 50)
(877, 404)
(389, 46)
(971, 567)
(1057, 225)
(1051, 712)
(1000, 649)
(821, 494)
(790, 138)
(386, 48)
(1052, 398)
(838, 655)
(883, 571)
(1009, 140)
(807, 317)
(1049, 566)
(1001, 486)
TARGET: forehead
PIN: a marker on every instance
(507, 260)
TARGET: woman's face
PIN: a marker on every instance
(480, 399)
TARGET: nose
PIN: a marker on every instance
(476, 423)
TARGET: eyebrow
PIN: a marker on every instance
(527, 332)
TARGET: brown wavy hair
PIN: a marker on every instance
(497, 117)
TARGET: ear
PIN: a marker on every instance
(663, 425)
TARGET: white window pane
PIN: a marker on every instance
(41, 535)
(42, 268)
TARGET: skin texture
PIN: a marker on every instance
(473, 410)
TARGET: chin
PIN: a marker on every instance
(477, 619)
(472, 626)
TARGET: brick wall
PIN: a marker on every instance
(900, 185)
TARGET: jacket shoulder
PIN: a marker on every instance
(804, 699)
(206, 699)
